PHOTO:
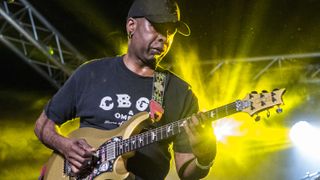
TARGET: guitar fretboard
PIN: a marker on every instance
(166, 131)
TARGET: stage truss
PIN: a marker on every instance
(26, 32)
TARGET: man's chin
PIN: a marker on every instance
(155, 59)
(151, 62)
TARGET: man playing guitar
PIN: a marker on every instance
(107, 93)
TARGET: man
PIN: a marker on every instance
(105, 93)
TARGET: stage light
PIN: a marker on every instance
(226, 128)
(50, 50)
(306, 137)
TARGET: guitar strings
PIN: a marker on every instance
(163, 130)
(177, 124)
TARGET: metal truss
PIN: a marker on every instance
(31, 37)
(26, 32)
(308, 65)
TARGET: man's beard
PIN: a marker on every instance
(153, 63)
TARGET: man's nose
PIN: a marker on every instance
(163, 37)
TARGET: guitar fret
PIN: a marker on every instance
(126, 146)
(130, 144)
(159, 134)
(226, 109)
(176, 128)
(133, 143)
(122, 148)
(168, 130)
(103, 153)
(140, 140)
(153, 136)
(181, 123)
(137, 141)
(150, 137)
(146, 134)
(117, 148)
(160, 130)
(217, 113)
(164, 131)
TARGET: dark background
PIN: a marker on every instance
(219, 30)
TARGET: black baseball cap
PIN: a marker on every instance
(159, 11)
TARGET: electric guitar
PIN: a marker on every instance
(114, 147)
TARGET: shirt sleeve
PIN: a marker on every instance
(181, 142)
(62, 106)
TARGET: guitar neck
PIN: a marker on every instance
(166, 131)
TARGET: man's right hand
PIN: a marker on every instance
(78, 153)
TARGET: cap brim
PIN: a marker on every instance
(183, 28)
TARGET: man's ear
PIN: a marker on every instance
(131, 26)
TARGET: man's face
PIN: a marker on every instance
(151, 42)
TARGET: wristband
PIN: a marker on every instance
(203, 167)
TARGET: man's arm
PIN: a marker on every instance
(197, 164)
(76, 151)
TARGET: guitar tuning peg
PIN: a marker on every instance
(257, 118)
(279, 110)
(252, 107)
(268, 113)
(273, 91)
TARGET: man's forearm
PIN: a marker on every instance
(47, 134)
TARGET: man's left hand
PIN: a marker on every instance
(201, 138)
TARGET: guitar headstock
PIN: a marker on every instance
(256, 102)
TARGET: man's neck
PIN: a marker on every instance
(137, 66)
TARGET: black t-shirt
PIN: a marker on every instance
(105, 93)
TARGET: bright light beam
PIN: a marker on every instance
(306, 137)
(225, 128)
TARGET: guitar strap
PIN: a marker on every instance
(156, 103)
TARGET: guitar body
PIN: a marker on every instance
(96, 137)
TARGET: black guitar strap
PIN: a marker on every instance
(159, 84)
(156, 103)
